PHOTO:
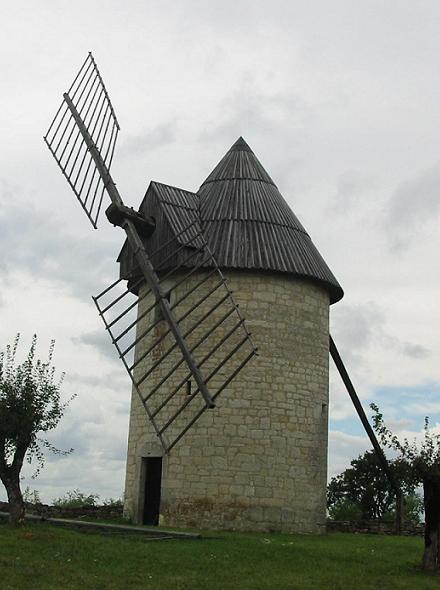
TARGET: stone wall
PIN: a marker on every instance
(109, 512)
(258, 461)
(375, 527)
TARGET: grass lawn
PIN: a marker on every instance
(43, 557)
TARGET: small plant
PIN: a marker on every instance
(113, 502)
(31, 496)
(76, 499)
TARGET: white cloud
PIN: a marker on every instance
(424, 408)
(343, 448)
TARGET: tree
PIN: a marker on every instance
(363, 489)
(423, 465)
(30, 404)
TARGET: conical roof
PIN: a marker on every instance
(249, 225)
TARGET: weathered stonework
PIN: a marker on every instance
(258, 461)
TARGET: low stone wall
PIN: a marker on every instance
(84, 512)
(374, 527)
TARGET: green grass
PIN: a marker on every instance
(43, 557)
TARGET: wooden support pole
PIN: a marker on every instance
(370, 432)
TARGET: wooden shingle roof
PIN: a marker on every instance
(249, 225)
(246, 222)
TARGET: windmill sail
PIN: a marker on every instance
(90, 99)
(211, 324)
(82, 139)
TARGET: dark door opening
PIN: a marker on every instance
(152, 471)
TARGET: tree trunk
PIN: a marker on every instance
(15, 498)
(399, 512)
(431, 492)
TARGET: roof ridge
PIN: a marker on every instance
(177, 188)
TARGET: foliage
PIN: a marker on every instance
(76, 499)
(113, 502)
(30, 403)
(345, 509)
(413, 508)
(47, 558)
(30, 406)
(420, 459)
(365, 486)
(31, 496)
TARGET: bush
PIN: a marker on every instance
(31, 496)
(345, 510)
(113, 503)
(76, 499)
(413, 508)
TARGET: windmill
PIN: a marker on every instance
(183, 340)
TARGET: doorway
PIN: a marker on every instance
(152, 478)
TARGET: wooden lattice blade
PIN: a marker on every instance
(210, 323)
(90, 99)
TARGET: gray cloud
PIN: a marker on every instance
(100, 341)
(356, 328)
(262, 111)
(116, 381)
(150, 139)
(352, 186)
(414, 204)
(261, 114)
(415, 351)
(43, 245)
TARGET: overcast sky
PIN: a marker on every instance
(339, 100)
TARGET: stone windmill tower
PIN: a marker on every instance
(259, 462)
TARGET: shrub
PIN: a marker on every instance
(31, 496)
(76, 499)
(345, 510)
(113, 502)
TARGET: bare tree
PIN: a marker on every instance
(30, 405)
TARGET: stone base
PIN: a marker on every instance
(205, 513)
